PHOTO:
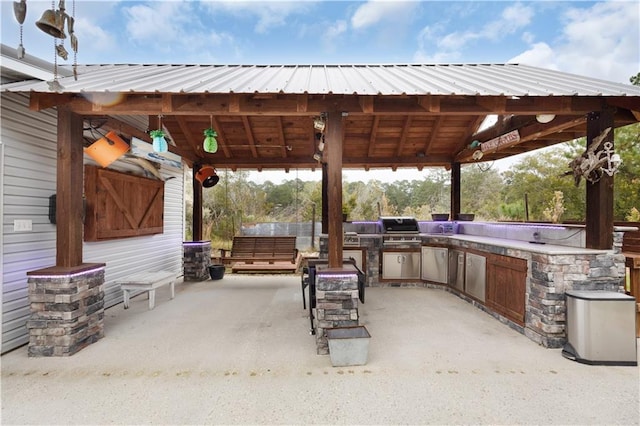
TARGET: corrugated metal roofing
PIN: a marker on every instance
(399, 79)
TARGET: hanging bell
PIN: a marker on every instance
(52, 23)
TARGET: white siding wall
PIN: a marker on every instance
(28, 149)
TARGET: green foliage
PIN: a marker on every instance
(555, 208)
(634, 215)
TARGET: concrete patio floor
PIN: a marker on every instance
(238, 351)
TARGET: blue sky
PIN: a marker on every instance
(597, 39)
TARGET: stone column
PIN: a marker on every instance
(67, 309)
(196, 260)
(336, 302)
(551, 276)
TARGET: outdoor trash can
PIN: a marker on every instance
(600, 328)
(348, 345)
(216, 272)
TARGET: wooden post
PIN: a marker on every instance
(325, 200)
(599, 220)
(455, 191)
(196, 225)
(333, 149)
(69, 190)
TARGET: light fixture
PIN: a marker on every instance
(317, 156)
(159, 142)
(107, 149)
(477, 155)
(319, 123)
(210, 143)
(207, 176)
(545, 118)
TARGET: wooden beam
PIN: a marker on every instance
(434, 133)
(333, 149)
(223, 141)
(455, 191)
(303, 103)
(599, 220)
(69, 190)
(250, 138)
(196, 223)
(281, 139)
(366, 102)
(191, 144)
(373, 134)
(246, 104)
(429, 103)
(125, 129)
(325, 200)
(403, 136)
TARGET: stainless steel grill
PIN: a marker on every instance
(400, 231)
(399, 225)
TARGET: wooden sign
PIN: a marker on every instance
(502, 141)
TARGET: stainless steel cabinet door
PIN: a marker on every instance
(435, 264)
(401, 265)
(475, 276)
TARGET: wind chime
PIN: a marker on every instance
(52, 22)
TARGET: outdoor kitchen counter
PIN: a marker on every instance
(549, 249)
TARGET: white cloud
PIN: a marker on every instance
(95, 37)
(602, 41)
(540, 55)
(332, 32)
(269, 14)
(447, 46)
(157, 21)
(375, 12)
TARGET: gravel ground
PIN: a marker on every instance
(238, 351)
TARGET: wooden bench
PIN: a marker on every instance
(253, 254)
(147, 281)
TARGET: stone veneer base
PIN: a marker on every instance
(196, 260)
(67, 310)
(336, 303)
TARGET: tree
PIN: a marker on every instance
(537, 177)
(480, 191)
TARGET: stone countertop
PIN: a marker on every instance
(553, 249)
